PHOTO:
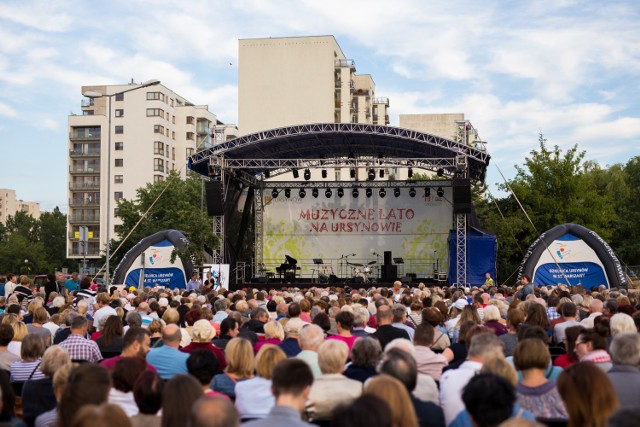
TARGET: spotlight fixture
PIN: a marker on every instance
(427, 192)
(352, 173)
(412, 192)
(324, 173)
(296, 174)
(410, 172)
(302, 193)
(372, 174)
(368, 192)
(267, 174)
(315, 193)
(440, 192)
(274, 193)
(382, 193)
(381, 173)
(328, 193)
(287, 193)
(340, 192)
(307, 174)
(355, 193)
(440, 172)
(396, 192)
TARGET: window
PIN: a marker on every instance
(116, 211)
(158, 165)
(167, 151)
(119, 129)
(119, 112)
(155, 112)
(119, 146)
(171, 102)
(167, 134)
(190, 120)
(120, 97)
(190, 136)
(117, 195)
(173, 166)
(189, 152)
(166, 167)
(88, 112)
(173, 135)
(155, 96)
(118, 179)
(173, 153)
(119, 162)
(158, 129)
(157, 178)
(167, 117)
(158, 148)
(173, 119)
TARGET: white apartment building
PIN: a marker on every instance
(153, 131)
(299, 80)
(9, 206)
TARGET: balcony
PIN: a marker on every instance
(86, 103)
(83, 202)
(84, 219)
(84, 136)
(346, 63)
(95, 235)
(79, 186)
(75, 252)
(202, 128)
(383, 101)
(89, 153)
(84, 170)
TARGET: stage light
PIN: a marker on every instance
(440, 172)
(287, 193)
(328, 193)
(315, 193)
(381, 173)
(340, 192)
(267, 174)
(382, 193)
(351, 155)
(302, 193)
(352, 173)
(307, 174)
(274, 193)
(355, 193)
(296, 175)
(372, 174)
(410, 172)
(396, 192)
(412, 192)
(440, 192)
(368, 192)
(324, 173)
(427, 192)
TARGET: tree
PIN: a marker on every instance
(175, 204)
(53, 227)
(624, 186)
(25, 225)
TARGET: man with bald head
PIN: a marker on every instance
(168, 360)
(595, 310)
(214, 412)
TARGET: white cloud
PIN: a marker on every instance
(6, 110)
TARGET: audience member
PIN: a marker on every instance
(625, 372)
(311, 337)
(168, 360)
(365, 356)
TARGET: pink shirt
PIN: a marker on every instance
(347, 340)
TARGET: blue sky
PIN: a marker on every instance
(569, 69)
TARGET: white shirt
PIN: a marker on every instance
(8, 288)
(105, 311)
(588, 322)
(254, 398)
(124, 401)
(451, 384)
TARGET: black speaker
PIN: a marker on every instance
(215, 205)
(461, 195)
(389, 273)
(387, 258)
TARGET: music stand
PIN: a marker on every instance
(318, 261)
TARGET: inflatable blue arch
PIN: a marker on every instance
(158, 268)
(574, 255)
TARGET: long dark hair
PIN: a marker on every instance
(112, 328)
(88, 384)
(178, 397)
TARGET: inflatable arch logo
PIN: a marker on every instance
(575, 254)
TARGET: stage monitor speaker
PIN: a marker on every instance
(389, 273)
(215, 206)
(387, 258)
(461, 195)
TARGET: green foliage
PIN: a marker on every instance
(177, 208)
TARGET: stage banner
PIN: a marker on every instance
(158, 268)
(346, 231)
(577, 261)
(219, 273)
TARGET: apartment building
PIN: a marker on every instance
(10, 205)
(451, 126)
(298, 80)
(153, 131)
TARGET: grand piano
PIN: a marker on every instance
(287, 269)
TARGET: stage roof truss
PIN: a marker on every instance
(356, 184)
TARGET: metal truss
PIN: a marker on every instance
(461, 249)
(218, 226)
(358, 184)
(259, 227)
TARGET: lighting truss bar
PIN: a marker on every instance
(359, 184)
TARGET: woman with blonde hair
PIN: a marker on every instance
(588, 395)
(254, 398)
(273, 334)
(19, 332)
(240, 365)
(396, 395)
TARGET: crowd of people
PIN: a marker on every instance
(75, 354)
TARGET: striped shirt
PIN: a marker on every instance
(23, 371)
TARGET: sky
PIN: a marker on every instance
(567, 69)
